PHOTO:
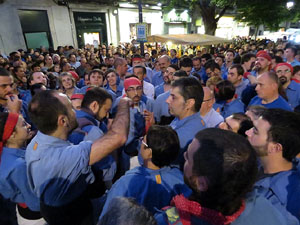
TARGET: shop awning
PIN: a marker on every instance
(188, 39)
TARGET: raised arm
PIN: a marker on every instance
(116, 135)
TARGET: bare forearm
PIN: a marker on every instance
(115, 137)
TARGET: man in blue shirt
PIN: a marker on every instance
(275, 137)
(220, 163)
(164, 62)
(60, 173)
(290, 53)
(268, 93)
(154, 184)
(284, 72)
(235, 76)
(184, 103)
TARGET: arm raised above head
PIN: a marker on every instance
(116, 135)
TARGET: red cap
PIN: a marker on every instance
(263, 54)
(131, 81)
(284, 64)
(74, 75)
(77, 96)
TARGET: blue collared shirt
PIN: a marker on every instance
(212, 118)
(13, 179)
(58, 172)
(186, 130)
(159, 89)
(157, 79)
(161, 108)
(150, 188)
(293, 94)
(241, 87)
(282, 189)
(279, 103)
(228, 108)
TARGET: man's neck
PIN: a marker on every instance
(228, 64)
(238, 83)
(261, 71)
(289, 60)
(275, 164)
(149, 164)
(186, 114)
(271, 99)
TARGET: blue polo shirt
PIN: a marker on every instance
(282, 189)
(241, 87)
(150, 188)
(13, 179)
(279, 103)
(293, 94)
(186, 130)
(228, 108)
(157, 79)
(161, 108)
(159, 89)
(212, 118)
(58, 172)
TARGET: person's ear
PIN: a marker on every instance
(62, 121)
(148, 153)
(275, 148)
(202, 183)
(190, 103)
(94, 107)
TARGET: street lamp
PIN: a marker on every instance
(289, 5)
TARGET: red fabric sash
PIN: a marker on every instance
(187, 208)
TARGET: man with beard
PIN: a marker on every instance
(220, 191)
(9, 102)
(284, 72)
(262, 63)
(275, 138)
(168, 78)
(267, 89)
(235, 76)
(60, 173)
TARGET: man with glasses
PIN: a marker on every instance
(207, 112)
(284, 72)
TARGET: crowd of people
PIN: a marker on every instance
(111, 135)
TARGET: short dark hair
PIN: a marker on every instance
(4, 72)
(244, 121)
(3, 118)
(224, 90)
(186, 62)
(175, 67)
(257, 110)
(35, 87)
(96, 71)
(140, 67)
(212, 65)
(123, 211)
(296, 69)
(164, 142)
(206, 56)
(174, 50)
(233, 174)
(97, 94)
(293, 49)
(230, 50)
(190, 88)
(44, 110)
(180, 73)
(246, 57)
(285, 130)
(197, 58)
(239, 69)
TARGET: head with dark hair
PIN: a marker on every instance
(6, 85)
(96, 77)
(186, 62)
(36, 88)
(50, 110)
(235, 74)
(255, 111)
(223, 186)
(160, 146)
(238, 123)
(276, 132)
(66, 81)
(224, 91)
(124, 211)
(175, 67)
(212, 68)
(98, 101)
(186, 97)
(248, 61)
(140, 71)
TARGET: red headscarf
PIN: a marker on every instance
(131, 81)
(9, 126)
(284, 64)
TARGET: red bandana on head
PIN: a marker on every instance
(9, 126)
(131, 81)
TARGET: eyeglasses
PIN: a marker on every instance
(208, 99)
(132, 89)
(283, 71)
